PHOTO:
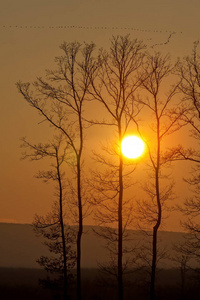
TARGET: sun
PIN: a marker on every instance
(132, 146)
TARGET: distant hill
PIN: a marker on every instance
(19, 247)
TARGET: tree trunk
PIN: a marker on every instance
(120, 275)
(80, 231)
(155, 232)
(62, 231)
(153, 267)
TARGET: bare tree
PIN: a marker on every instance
(164, 118)
(59, 99)
(114, 88)
(54, 226)
(189, 71)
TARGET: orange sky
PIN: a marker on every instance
(28, 49)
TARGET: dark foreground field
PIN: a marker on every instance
(23, 284)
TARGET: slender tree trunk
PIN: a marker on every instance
(80, 208)
(79, 296)
(66, 297)
(80, 211)
(157, 225)
(155, 234)
(153, 267)
(80, 231)
(120, 275)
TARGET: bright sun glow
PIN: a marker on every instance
(132, 146)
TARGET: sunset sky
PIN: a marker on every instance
(31, 32)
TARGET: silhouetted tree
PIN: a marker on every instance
(189, 71)
(163, 117)
(59, 99)
(113, 87)
(59, 238)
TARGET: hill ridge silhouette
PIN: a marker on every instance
(20, 247)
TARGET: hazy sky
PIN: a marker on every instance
(30, 37)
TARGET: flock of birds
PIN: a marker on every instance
(167, 40)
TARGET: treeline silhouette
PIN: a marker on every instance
(23, 284)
